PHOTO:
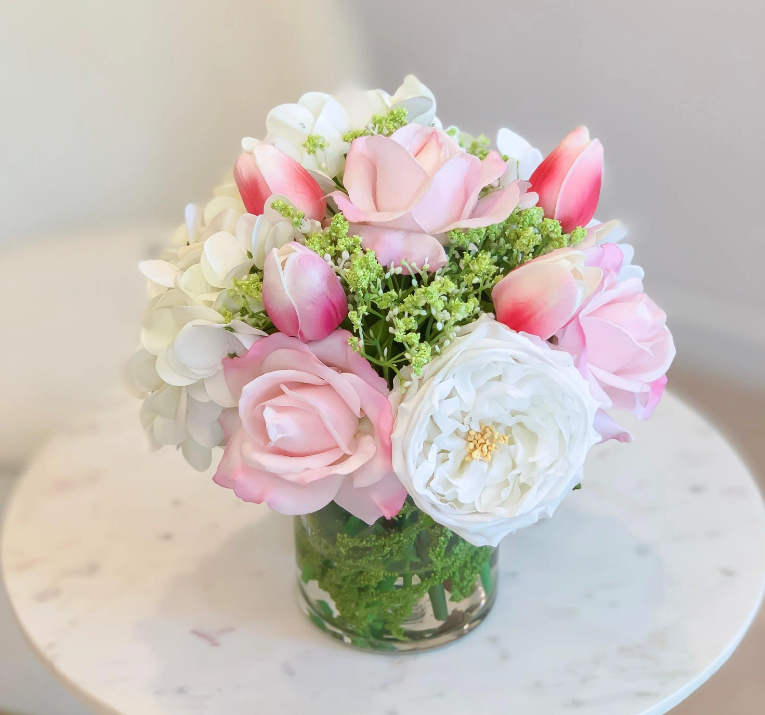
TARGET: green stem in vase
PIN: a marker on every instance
(368, 571)
(438, 601)
(486, 579)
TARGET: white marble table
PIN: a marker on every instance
(150, 591)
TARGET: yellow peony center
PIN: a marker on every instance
(482, 445)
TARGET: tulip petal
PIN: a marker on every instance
(251, 184)
(580, 191)
(270, 171)
(276, 299)
(550, 174)
(538, 298)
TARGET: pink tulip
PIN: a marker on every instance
(543, 295)
(313, 425)
(568, 180)
(268, 170)
(301, 293)
(405, 189)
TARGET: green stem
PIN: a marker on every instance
(438, 601)
(486, 579)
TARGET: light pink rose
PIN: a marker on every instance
(313, 425)
(301, 293)
(405, 189)
(620, 342)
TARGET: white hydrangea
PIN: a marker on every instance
(178, 370)
(523, 158)
(315, 114)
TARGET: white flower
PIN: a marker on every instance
(523, 158)
(190, 340)
(412, 95)
(272, 230)
(179, 368)
(290, 125)
(532, 416)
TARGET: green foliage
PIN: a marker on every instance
(401, 320)
(376, 574)
(384, 124)
(244, 301)
(524, 235)
(477, 146)
(314, 143)
(288, 211)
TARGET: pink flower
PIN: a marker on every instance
(301, 293)
(405, 189)
(619, 341)
(543, 295)
(568, 180)
(266, 170)
(313, 425)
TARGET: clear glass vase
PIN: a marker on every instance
(402, 584)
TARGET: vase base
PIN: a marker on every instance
(458, 625)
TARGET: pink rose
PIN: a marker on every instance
(405, 189)
(568, 180)
(619, 341)
(265, 170)
(301, 293)
(313, 425)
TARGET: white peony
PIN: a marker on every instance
(523, 158)
(318, 114)
(531, 416)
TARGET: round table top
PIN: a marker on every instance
(151, 591)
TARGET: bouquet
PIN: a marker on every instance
(405, 338)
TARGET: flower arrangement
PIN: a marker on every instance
(405, 338)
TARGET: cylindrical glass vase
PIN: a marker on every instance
(401, 584)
